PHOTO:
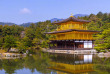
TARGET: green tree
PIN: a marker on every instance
(30, 33)
(99, 15)
(1, 41)
(9, 41)
(27, 42)
(21, 46)
(105, 17)
(36, 43)
(102, 42)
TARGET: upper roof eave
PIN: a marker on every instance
(72, 19)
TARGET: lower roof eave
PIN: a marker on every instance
(70, 30)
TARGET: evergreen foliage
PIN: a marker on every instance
(100, 22)
(33, 37)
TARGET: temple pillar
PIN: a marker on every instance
(65, 44)
(74, 45)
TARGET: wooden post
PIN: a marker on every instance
(74, 45)
(68, 44)
(61, 45)
(65, 44)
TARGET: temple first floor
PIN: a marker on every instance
(71, 44)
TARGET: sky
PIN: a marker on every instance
(23, 11)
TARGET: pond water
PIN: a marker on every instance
(44, 63)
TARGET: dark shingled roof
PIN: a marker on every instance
(72, 18)
(63, 31)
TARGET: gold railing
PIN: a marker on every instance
(73, 36)
(69, 26)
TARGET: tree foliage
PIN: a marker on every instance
(100, 22)
(25, 38)
(9, 42)
(102, 42)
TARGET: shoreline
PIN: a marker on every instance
(83, 52)
(93, 51)
(11, 55)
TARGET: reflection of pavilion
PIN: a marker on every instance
(81, 65)
(85, 59)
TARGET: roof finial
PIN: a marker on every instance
(71, 15)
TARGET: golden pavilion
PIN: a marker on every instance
(72, 34)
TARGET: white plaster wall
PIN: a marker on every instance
(87, 44)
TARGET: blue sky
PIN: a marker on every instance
(22, 11)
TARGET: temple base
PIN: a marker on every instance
(71, 45)
(92, 51)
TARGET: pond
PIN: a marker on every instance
(44, 63)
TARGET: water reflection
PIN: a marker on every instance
(102, 65)
(56, 64)
(87, 58)
(36, 64)
(72, 63)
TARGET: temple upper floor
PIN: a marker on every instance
(72, 25)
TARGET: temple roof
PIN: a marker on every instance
(72, 18)
(63, 31)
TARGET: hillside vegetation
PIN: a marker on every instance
(25, 38)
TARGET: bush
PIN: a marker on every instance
(102, 51)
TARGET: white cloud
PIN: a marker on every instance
(25, 11)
